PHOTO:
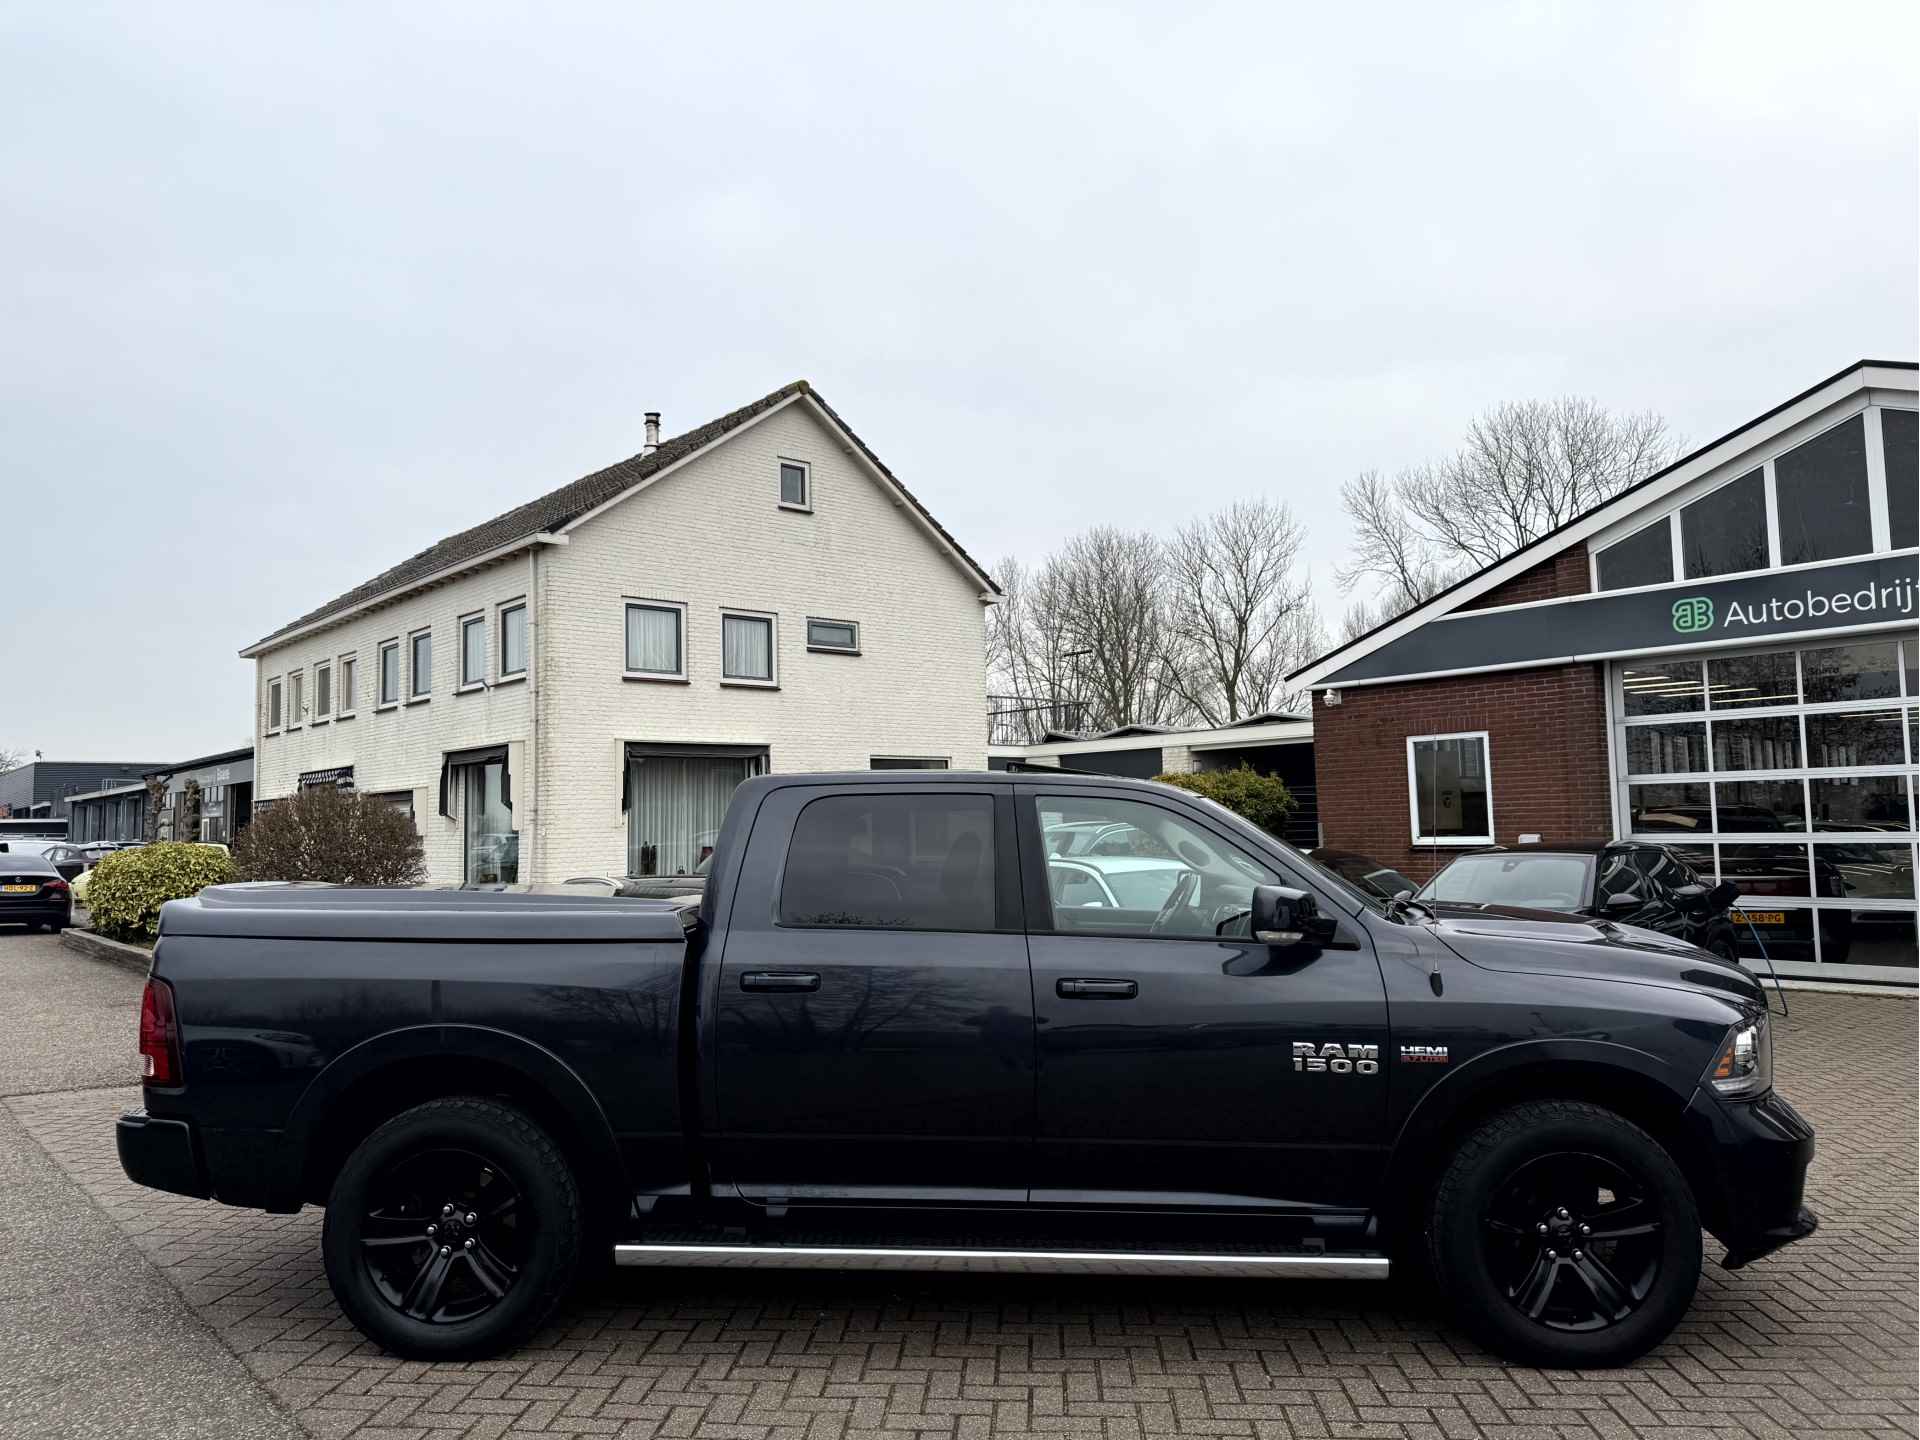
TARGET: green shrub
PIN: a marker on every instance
(338, 836)
(1263, 799)
(127, 889)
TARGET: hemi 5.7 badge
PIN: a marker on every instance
(1423, 1054)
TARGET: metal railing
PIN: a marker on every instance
(1018, 720)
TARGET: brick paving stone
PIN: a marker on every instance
(1819, 1340)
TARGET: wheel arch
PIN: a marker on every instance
(380, 1077)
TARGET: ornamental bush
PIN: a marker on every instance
(1263, 799)
(338, 836)
(126, 889)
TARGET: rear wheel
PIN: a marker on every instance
(453, 1230)
(1565, 1236)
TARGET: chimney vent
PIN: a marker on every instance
(653, 433)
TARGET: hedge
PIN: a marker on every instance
(126, 890)
(1263, 799)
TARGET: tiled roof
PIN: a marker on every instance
(571, 501)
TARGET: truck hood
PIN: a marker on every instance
(1545, 942)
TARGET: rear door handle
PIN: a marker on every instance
(1096, 989)
(780, 980)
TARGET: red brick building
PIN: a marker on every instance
(1723, 658)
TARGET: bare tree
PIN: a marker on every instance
(1240, 611)
(1525, 469)
(11, 759)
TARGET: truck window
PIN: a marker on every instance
(891, 862)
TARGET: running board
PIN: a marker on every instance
(1056, 1262)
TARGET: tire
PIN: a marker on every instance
(507, 1229)
(1554, 1164)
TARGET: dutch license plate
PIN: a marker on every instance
(1757, 917)
(19, 889)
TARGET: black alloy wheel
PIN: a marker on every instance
(445, 1262)
(453, 1230)
(1573, 1241)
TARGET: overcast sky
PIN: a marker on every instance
(289, 296)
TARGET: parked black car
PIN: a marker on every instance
(1624, 881)
(878, 1040)
(32, 892)
(1362, 870)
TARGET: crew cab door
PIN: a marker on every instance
(1167, 1036)
(873, 1016)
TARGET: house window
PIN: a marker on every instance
(1643, 558)
(349, 673)
(1726, 532)
(473, 651)
(746, 649)
(390, 673)
(1450, 789)
(840, 637)
(420, 663)
(796, 485)
(656, 648)
(492, 843)
(322, 691)
(513, 640)
(1821, 491)
(296, 699)
(273, 706)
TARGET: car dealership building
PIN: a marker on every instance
(1723, 658)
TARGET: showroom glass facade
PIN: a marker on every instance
(1790, 771)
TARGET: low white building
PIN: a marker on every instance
(576, 686)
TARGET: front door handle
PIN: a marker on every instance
(780, 980)
(1096, 989)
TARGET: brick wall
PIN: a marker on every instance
(1557, 575)
(1548, 753)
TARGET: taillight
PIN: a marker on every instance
(55, 887)
(159, 1036)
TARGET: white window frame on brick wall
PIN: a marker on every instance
(772, 619)
(478, 619)
(678, 609)
(502, 611)
(805, 506)
(275, 701)
(381, 700)
(821, 647)
(347, 672)
(1413, 789)
(415, 694)
(296, 697)
(322, 694)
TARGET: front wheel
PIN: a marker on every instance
(1565, 1236)
(453, 1230)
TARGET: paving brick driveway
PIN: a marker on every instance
(1818, 1340)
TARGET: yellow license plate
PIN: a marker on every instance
(18, 889)
(1757, 917)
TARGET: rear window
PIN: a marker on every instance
(892, 862)
(1540, 882)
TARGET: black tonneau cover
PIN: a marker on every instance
(326, 912)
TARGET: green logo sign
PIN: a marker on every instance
(1693, 615)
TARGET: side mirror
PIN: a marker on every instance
(1723, 895)
(1285, 916)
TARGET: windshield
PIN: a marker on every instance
(1142, 889)
(1538, 882)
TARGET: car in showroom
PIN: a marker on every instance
(1625, 882)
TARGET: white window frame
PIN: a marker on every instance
(380, 700)
(322, 668)
(500, 612)
(296, 693)
(479, 682)
(773, 648)
(630, 603)
(805, 507)
(1413, 790)
(415, 695)
(276, 698)
(854, 625)
(343, 697)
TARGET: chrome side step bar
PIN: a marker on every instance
(1058, 1262)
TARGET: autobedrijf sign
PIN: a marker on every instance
(1875, 591)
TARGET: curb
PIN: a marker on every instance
(98, 947)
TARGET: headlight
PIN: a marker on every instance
(1744, 1064)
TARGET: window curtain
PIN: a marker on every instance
(746, 648)
(653, 640)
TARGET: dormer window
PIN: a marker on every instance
(796, 485)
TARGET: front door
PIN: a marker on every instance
(1182, 1065)
(874, 1012)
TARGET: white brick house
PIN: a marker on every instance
(575, 687)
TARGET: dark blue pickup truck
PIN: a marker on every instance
(924, 1021)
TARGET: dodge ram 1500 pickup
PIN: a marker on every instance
(900, 1028)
